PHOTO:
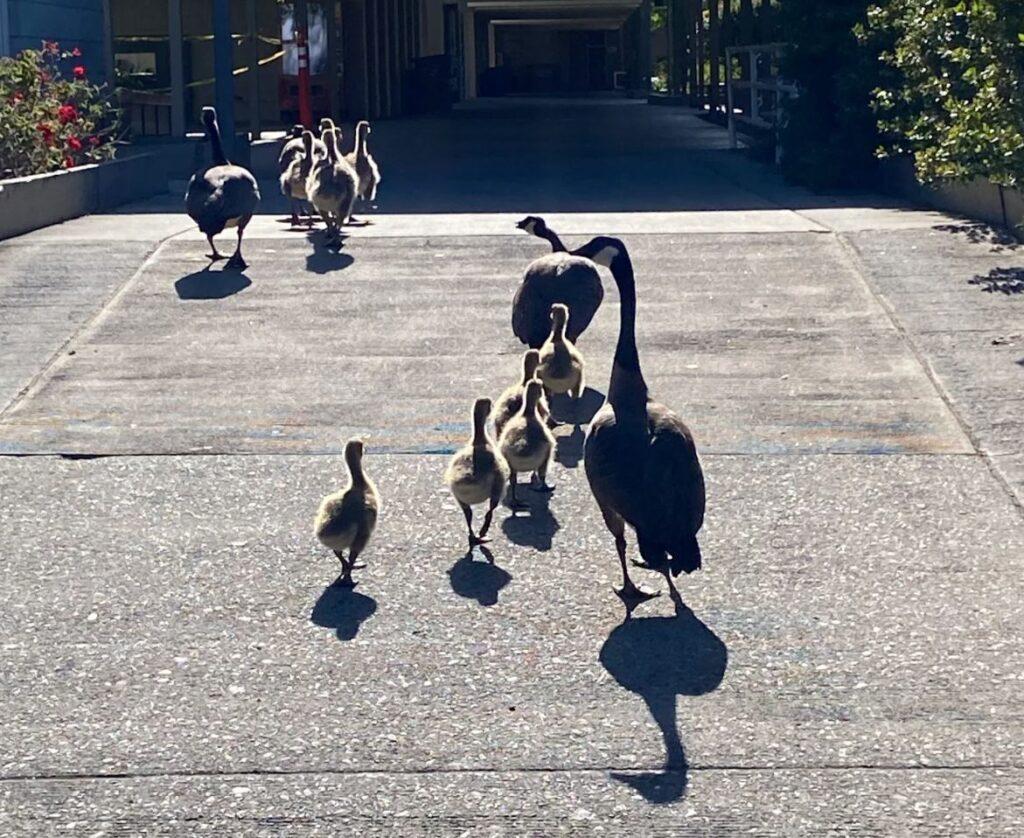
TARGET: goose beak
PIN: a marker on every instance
(521, 225)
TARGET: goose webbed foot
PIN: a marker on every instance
(476, 540)
(345, 580)
(215, 256)
(641, 563)
(358, 565)
(632, 595)
(236, 263)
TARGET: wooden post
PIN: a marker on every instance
(254, 69)
(175, 48)
(223, 73)
(469, 50)
(714, 54)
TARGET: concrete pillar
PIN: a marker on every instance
(223, 72)
(5, 29)
(176, 46)
(644, 47)
(373, 69)
(108, 42)
(746, 22)
(385, 36)
(492, 46)
(469, 49)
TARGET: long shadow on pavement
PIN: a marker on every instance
(211, 285)
(343, 610)
(325, 259)
(481, 581)
(538, 528)
(659, 658)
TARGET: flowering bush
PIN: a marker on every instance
(48, 121)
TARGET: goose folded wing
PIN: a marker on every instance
(673, 480)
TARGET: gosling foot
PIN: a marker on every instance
(358, 565)
(541, 486)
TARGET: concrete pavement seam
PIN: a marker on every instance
(860, 269)
(34, 382)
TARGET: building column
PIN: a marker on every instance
(644, 47)
(108, 41)
(714, 57)
(176, 47)
(469, 49)
(254, 69)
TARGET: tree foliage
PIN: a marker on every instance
(829, 132)
(49, 121)
(954, 98)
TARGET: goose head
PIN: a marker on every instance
(603, 250)
(532, 224)
(210, 118)
(296, 131)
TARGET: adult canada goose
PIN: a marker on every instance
(561, 364)
(293, 179)
(346, 519)
(477, 473)
(365, 166)
(221, 195)
(510, 402)
(640, 458)
(526, 442)
(331, 187)
(559, 277)
(535, 226)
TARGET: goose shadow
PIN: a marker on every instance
(659, 658)
(211, 285)
(576, 411)
(326, 257)
(343, 610)
(537, 529)
(481, 581)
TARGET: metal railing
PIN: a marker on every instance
(759, 78)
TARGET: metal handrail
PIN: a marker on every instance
(755, 83)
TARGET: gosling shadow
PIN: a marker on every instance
(326, 256)
(538, 528)
(576, 411)
(211, 285)
(569, 447)
(659, 658)
(977, 232)
(343, 610)
(481, 581)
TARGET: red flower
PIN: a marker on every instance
(69, 163)
(66, 114)
(76, 52)
(74, 143)
(51, 47)
(79, 71)
(17, 97)
(94, 141)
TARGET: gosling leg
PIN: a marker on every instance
(474, 540)
(515, 502)
(540, 483)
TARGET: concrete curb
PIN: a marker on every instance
(29, 203)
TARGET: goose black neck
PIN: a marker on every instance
(480, 427)
(361, 130)
(354, 461)
(627, 387)
(216, 146)
(552, 237)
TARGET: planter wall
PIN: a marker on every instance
(975, 199)
(36, 201)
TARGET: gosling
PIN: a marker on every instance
(561, 364)
(511, 401)
(527, 443)
(346, 519)
(293, 179)
(477, 473)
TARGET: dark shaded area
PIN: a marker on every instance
(481, 581)
(211, 285)
(1001, 281)
(569, 448)
(978, 232)
(538, 528)
(326, 256)
(343, 610)
(659, 658)
(576, 411)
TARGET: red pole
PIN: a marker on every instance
(302, 49)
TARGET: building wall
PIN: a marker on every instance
(72, 23)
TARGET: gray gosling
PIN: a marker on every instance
(365, 166)
(561, 364)
(346, 519)
(331, 188)
(293, 179)
(527, 443)
(510, 402)
(477, 473)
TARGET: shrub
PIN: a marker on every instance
(48, 121)
(955, 98)
(828, 132)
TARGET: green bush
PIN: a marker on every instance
(829, 133)
(955, 96)
(50, 122)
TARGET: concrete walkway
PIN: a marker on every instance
(173, 663)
